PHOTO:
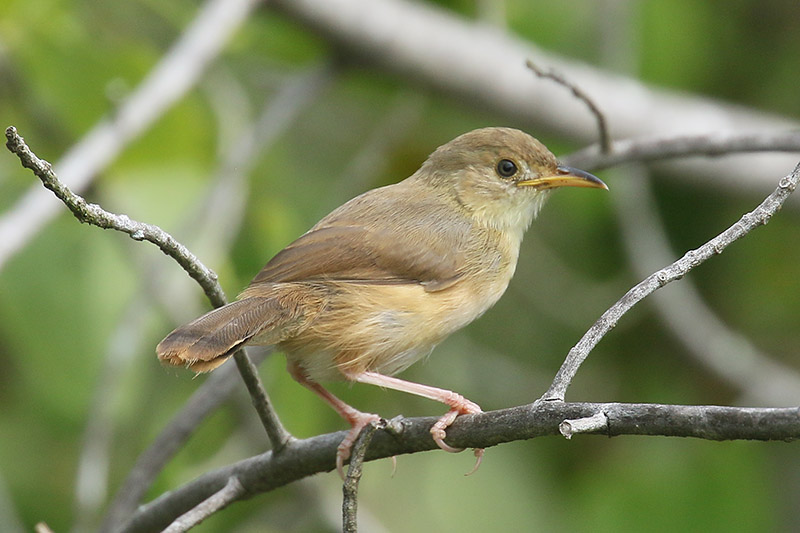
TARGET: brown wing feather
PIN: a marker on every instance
(364, 255)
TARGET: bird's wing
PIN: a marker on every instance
(354, 253)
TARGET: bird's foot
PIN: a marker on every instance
(358, 421)
(459, 406)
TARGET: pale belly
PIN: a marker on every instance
(384, 328)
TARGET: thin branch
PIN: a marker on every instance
(228, 494)
(95, 215)
(354, 471)
(169, 80)
(303, 458)
(668, 147)
(205, 400)
(277, 434)
(729, 354)
(577, 92)
(759, 216)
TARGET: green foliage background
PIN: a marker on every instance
(65, 64)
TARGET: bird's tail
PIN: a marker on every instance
(206, 342)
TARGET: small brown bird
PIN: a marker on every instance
(380, 281)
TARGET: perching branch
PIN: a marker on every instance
(309, 456)
(758, 217)
(306, 457)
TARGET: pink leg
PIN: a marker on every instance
(356, 418)
(457, 403)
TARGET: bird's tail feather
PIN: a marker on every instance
(206, 342)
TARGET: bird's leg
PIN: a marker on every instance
(457, 403)
(354, 417)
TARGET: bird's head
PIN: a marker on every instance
(500, 175)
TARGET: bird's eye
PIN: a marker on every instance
(506, 168)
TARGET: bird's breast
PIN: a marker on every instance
(387, 327)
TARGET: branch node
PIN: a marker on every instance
(396, 426)
(590, 424)
(787, 183)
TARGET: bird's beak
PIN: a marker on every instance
(565, 177)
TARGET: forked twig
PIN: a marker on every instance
(602, 126)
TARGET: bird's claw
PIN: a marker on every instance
(438, 431)
(346, 446)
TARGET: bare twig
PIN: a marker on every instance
(672, 146)
(176, 73)
(577, 92)
(95, 215)
(303, 458)
(350, 485)
(655, 281)
(729, 354)
(228, 494)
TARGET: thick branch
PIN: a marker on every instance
(306, 457)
